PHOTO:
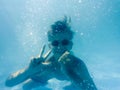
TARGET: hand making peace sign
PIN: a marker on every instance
(36, 64)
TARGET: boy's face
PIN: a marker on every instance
(60, 43)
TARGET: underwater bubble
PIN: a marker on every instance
(80, 1)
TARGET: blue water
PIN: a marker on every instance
(96, 23)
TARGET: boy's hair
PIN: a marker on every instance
(60, 26)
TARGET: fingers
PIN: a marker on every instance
(35, 61)
(64, 56)
(42, 51)
(47, 54)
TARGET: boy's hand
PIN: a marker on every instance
(36, 65)
(65, 58)
(66, 61)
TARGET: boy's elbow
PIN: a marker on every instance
(9, 83)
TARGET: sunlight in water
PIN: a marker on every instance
(96, 23)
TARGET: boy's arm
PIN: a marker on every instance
(17, 77)
(36, 66)
(82, 77)
(20, 76)
(76, 71)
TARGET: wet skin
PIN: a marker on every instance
(61, 65)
